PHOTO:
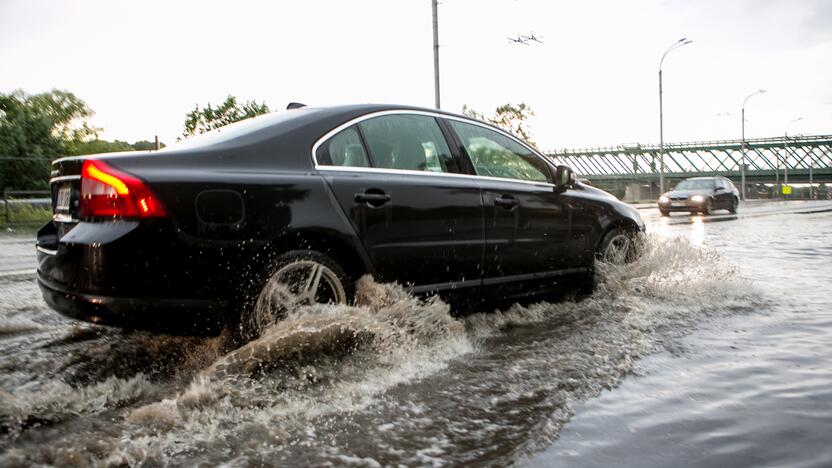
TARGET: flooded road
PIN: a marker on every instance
(711, 349)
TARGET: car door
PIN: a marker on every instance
(526, 220)
(420, 221)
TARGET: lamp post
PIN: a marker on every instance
(742, 145)
(681, 42)
(786, 155)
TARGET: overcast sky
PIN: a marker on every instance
(141, 65)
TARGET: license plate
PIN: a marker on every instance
(674, 204)
(64, 195)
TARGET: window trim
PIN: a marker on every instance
(320, 141)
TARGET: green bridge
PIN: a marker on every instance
(768, 160)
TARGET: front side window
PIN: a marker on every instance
(407, 142)
(344, 149)
(495, 155)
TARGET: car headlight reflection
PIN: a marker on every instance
(663, 199)
(697, 198)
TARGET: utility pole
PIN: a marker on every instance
(436, 52)
(786, 156)
(786, 160)
(158, 145)
(811, 182)
(777, 172)
(742, 161)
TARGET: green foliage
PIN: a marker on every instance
(510, 117)
(104, 146)
(100, 146)
(145, 145)
(22, 215)
(34, 129)
(209, 117)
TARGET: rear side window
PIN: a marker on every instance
(407, 142)
(495, 155)
(344, 149)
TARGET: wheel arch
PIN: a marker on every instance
(344, 252)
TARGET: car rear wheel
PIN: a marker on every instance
(297, 278)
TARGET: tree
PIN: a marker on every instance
(208, 118)
(145, 145)
(100, 146)
(510, 117)
(34, 129)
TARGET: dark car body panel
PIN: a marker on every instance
(433, 221)
(240, 197)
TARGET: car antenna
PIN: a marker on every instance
(295, 105)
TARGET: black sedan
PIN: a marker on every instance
(204, 233)
(701, 195)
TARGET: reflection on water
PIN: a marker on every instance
(747, 390)
(697, 230)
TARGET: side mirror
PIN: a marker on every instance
(564, 178)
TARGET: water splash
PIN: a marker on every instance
(309, 381)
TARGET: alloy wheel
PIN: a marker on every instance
(311, 282)
(619, 250)
(298, 282)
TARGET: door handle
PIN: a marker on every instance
(505, 201)
(375, 199)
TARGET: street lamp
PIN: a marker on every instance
(786, 156)
(742, 146)
(681, 42)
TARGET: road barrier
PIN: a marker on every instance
(26, 207)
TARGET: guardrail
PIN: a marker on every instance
(26, 207)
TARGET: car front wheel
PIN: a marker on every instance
(617, 247)
(733, 208)
(707, 207)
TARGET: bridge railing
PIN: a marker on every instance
(799, 154)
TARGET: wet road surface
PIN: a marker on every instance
(712, 349)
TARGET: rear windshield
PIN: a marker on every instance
(236, 129)
(695, 184)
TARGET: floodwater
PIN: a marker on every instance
(711, 349)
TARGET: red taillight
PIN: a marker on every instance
(108, 193)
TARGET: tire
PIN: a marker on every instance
(295, 278)
(617, 247)
(732, 208)
(664, 212)
(708, 208)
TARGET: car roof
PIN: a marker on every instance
(361, 109)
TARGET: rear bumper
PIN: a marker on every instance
(186, 316)
(138, 275)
